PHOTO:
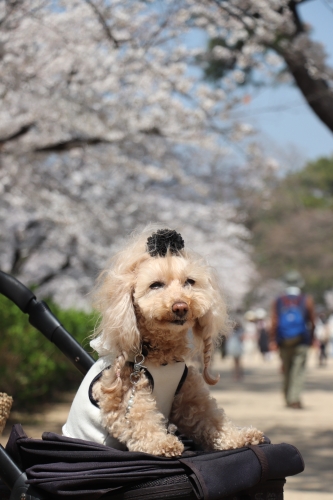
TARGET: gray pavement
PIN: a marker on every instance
(257, 401)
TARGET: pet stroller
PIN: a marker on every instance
(56, 467)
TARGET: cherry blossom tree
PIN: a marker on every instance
(264, 41)
(106, 124)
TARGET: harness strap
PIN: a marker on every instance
(262, 460)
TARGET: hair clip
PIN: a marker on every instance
(163, 240)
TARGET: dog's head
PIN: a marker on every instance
(154, 287)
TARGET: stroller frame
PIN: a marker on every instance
(40, 317)
(167, 488)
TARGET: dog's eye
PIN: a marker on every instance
(189, 281)
(156, 284)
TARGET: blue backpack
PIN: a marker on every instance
(291, 311)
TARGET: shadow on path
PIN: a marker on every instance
(317, 452)
(257, 399)
(269, 380)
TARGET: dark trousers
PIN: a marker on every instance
(294, 362)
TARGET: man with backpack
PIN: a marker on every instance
(292, 330)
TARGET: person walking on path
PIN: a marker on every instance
(262, 332)
(322, 336)
(234, 348)
(292, 332)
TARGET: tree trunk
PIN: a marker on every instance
(316, 91)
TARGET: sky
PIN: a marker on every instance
(286, 121)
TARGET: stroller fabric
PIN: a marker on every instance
(73, 468)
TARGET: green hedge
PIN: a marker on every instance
(32, 369)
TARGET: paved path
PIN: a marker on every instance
(257, 401)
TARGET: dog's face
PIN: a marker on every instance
(171, 293)
(154, 300)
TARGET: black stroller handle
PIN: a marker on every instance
(15, 479)
(9, 471)
(41, 317)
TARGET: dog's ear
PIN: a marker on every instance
(206, 334)
(117, 331)
(209, 327)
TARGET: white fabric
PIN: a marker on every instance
(166, 380)
(84, 418)
(293, 290)
(103, 348)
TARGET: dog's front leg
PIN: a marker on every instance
(197, 415)
(147, 427)
(139, 424)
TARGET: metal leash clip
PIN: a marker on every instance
(134, 379)
(138, 369)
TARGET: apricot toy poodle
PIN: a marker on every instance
(152, 294)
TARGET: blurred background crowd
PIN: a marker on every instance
(254, 328)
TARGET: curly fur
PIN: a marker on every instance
(133, 312)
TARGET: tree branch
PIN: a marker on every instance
(75, 142)
(79, 142)
(9, 10)
(297, 20)
(52, 274)
(21, 131)
(316, 91)
(104, 24)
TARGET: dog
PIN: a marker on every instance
(150, 297)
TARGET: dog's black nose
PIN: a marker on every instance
(180, 309)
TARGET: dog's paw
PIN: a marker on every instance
(238, 438)
(253, 436)
(161, 445)
(170, 446)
